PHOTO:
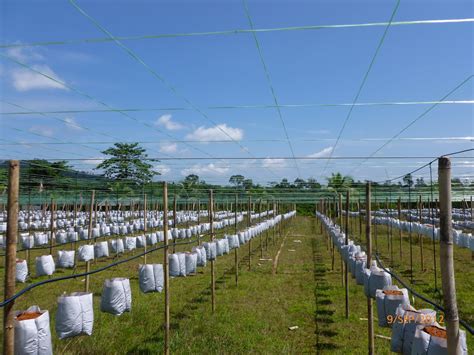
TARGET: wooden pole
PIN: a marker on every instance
(399, 208)
(10, 255)
(248, 225)
(166, 269)
(346, 271)
(368, 234)
(51, 228)
(341, 223)
(89, 236)
(236, 250)
(174, 223)
(213, 266)
(420, 217)
(446, 256)
(144, 225)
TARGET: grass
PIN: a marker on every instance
(254, 316)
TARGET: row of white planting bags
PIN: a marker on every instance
(62, 237)
(461, 239)
(45, 264)
(75, 314)
(39, 221)
(459, 220)
(410, 327)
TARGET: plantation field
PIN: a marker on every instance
(255, 315)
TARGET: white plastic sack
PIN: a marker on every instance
(191, 263)
(130, 243)
(75, 315)
(33, 336)
(211, 250)
(378, 279)
(27, 241)
(141, 241)
(66, 258)
(151, 278)
(116, 296)
(86, 252)
(117, 246)
(45, 265)
(425, 343)
(388, 301)
(403, 328)
(21, 270)
(101, 249)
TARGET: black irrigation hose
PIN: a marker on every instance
(62, 278)
(437, 306)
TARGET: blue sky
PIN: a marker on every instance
(416, 63)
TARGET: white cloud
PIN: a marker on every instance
(221, 132)
(271, 163)
(209, 169)
(322, 153)
(23, 54)
(93, 161)
(42, 130)
(168, 147)
(25, 80)
(162, 169)
(168, 123)
(72, 124)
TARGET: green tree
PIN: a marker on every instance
(408, 180)
(338, 183)
(127, 162)
(247, 184)
(237, 180)
(191, 181)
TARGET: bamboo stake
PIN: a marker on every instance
(236, 252)
(248, 226)
(446, 256)
(213, 271)
(89, 237)
(166, 269)
(368, 231)
(346, 242)
(10, 255)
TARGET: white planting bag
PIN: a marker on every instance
(151, 278)
(173, 262)
(117, 246)
(21, 270)
(32, 336)
(388, 301)
(27, 241)
(202, 258)
(151, 239)
(431, 339)
(61, 238)
(86, 252)
(45, 265)
(130, 243)
(101, 249)
(116, 296)
(141, 241)
(220, 247)
(378, 279)
(191, 263)
(72, 236)
(403, 328)
(75, 315)
(66, 258)
(211, 250)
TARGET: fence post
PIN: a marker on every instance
(174, 223)
(339, 212)
(236, 249)
(165, 269)
(51, 228)
(446, 255)
(368, 234)
(10, 255)
(89, 237)
(144, 224)
(248, 225)
(346, 242)
(213, 271)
